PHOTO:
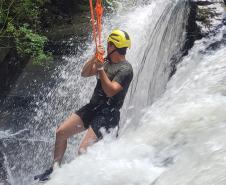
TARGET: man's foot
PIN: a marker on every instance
(44, 176)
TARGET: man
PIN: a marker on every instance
(102, 112)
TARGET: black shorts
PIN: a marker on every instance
(99, 116)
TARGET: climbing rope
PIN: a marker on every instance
(97, 26)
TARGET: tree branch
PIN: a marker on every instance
(7, 15)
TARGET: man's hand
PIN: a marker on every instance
(95, 63)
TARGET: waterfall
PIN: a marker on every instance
(172, 131)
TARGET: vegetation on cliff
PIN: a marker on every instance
(20, 28)
(22, 24)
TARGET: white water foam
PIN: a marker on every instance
(4, 134)
(180, 139)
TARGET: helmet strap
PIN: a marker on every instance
(108, 56)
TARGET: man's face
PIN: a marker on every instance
(110, 47)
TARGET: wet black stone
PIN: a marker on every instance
(204, 3)
(224, 19)
(193, 33)
(64, 47)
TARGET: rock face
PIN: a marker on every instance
(207, 15)
(3, 53)
(211, 17)
(205, 18)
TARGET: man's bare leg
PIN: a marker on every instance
(72, 125)
(69, 127)
(89, 139)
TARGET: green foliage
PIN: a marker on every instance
(29, 43)
(20, 21)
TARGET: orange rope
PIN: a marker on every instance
(93, 21)
(99, 13)
(97, 31)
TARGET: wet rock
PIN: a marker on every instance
(209, 16)
(193, 30)
(224, 19)
(203, 3)
(65, 38)
(3, 53)
(193, 33)
(205, 18)
(10, 69)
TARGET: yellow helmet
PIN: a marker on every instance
(120, 39)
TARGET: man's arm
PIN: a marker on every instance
(89, 69)
(110, 88)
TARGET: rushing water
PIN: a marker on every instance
(171, 132)
(180, 140)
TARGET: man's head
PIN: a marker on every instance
(118, 41)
